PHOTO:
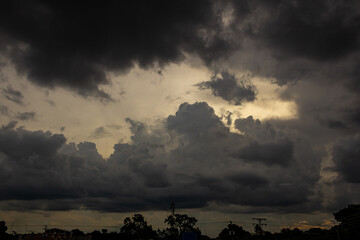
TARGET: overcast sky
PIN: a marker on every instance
(231, 109)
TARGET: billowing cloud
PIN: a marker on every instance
(285, 40)
(74, 47)
(300, 41)
(192, 158)
(229, 88)
(309, 51)
(268, 153)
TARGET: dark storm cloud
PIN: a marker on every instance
(189, 159)
(280, 152)
(192, 157)
(9, 126)
(74, 45)
(25, 116)
(196, 121)
(32, 155)
(346, 156)
(334, 124)
(293, 41)
(257, 130)
(249, 180)
(321, 30)
(13, 95)
(229, 88)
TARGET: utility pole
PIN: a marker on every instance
(172, 208)
(259, 224)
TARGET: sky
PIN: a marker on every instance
(231, 109)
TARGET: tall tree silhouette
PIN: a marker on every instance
(349, 218)
(3, 228)
(179, 224)
(136, 228)
(234, 232)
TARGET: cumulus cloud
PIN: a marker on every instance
(229, 88)
(280, 152)
(193, 159)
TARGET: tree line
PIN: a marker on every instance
(183, 227)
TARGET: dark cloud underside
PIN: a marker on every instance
(73, 44)
(194, 159)
(229, 88)
(346, 156)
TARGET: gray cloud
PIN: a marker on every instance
(280, 152)
(13, 95)
(190, 159)
(290, 41)
(249, 180)
(99, 132)
(346, 155)
(107, 37)
(4, 110)
(51, 102)
(229, 88)
(329, 30)
(10, 125)
(300, 41)
(312, 48)
(25, 116)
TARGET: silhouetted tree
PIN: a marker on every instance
(234, 232)
(348, 214)
(179, 223)
(3, 228)
(169, 234)
(96, 235)
(349, 218)
(3, 234)
(77, 234)
(136, 228)
(258, 229)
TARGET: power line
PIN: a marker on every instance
(259, 225)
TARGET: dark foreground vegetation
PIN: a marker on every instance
(183, 227)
